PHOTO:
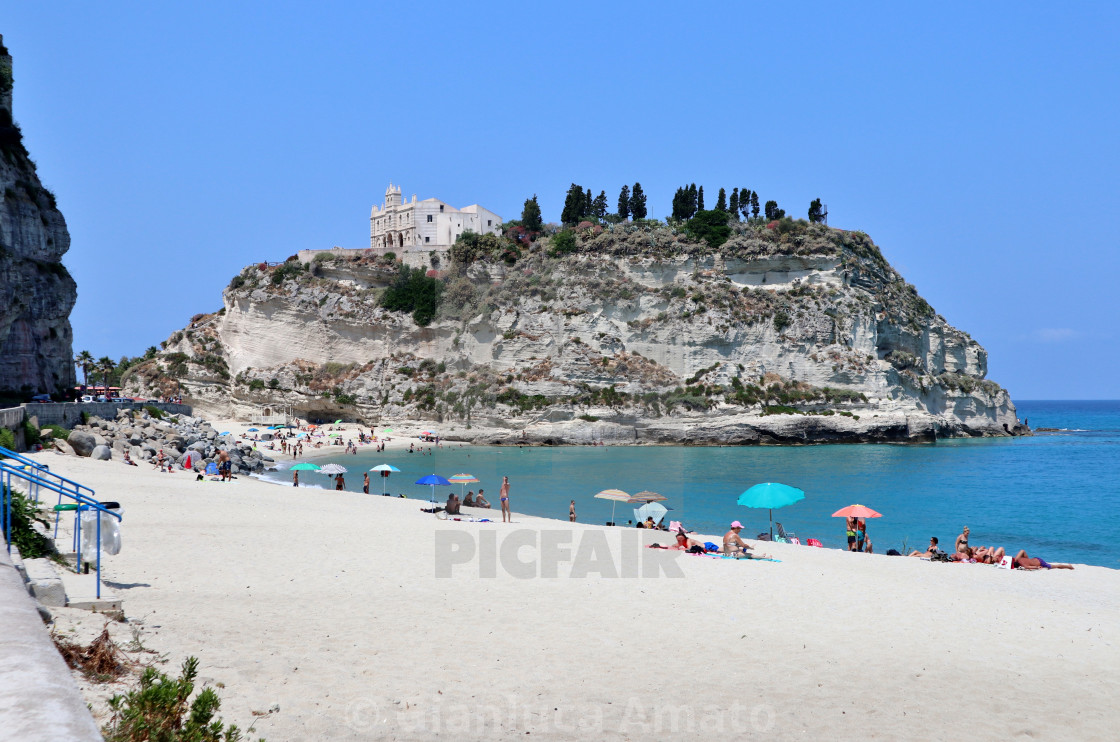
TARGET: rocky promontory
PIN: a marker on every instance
(786, 332)
(36, 291)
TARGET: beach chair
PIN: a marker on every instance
(785, 535)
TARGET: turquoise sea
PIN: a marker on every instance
(1054, 494)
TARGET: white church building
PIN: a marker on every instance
(425, 225)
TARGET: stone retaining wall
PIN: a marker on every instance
(69, 414)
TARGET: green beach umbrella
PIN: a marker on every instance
(305, 466)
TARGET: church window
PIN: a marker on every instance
(489, 222)
(427, 239)
(429, 217)
(441, 207)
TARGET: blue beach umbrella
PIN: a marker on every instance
(433, 480)
(252, 430)
(770, 495)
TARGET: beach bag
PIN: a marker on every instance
(709, 546)
(1006, 563)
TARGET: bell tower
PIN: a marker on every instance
(392, 196)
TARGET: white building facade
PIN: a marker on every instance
(425, 225)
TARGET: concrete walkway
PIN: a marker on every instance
(38, 698)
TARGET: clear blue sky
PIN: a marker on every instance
(977, 143)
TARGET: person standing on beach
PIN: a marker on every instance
(503, 494)
(572, 512)
(861, 534)
(365, 483)
(851, 534)
(295, 479)
(339, 482)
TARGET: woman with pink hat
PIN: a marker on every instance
(732, 543)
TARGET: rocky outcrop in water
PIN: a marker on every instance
(36, 291)
(788, 332)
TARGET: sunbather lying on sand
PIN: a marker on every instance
(684, 543)
(1022, 561)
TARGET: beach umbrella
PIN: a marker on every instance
(653, 510)
(856, 511)
(333, 435)
(384, 469)
(332, 469)
(433, 480)
(770, 495)
(224, 433)
(462, 480)
(252, 430)
(615, 496)
(337, 422)
(647, 496)
(305, 466)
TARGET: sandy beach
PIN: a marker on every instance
(335, 615)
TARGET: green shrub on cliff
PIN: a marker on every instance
(415, 292)
(710, 226)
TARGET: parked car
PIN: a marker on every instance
(42, 399)
(87, 398)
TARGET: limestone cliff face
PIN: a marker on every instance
(787, 332)
(36, 291)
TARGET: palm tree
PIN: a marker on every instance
(84, 361)
(106, 365)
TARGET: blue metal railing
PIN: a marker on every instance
(45, 471)
(35, 476)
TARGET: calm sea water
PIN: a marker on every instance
(1055, 494)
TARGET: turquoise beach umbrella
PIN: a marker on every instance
(770, 495)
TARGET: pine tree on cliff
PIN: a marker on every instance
(678, 204)
(721, 200)
(588, 205)
(754, 204)
(691, 212)
(531, 215)
(600, 205)
(637, 202)
(573, 205)
(733, 205)
(624, 203)
(773, 212)
(700, 199)
(745, 202)
(816, 212)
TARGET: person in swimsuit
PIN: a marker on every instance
(468, 501)
(503, 494)
(572, 512)
(481, 501)
(989, 555)
(365, 483)
(295, 479)
(933, 549)
(733, 544)
(339, 482)
(851, 534)
(861, 534)
(1022, 561)
(962, 540)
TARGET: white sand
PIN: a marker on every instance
(327, 604)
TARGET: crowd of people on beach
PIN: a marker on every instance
(963, 552)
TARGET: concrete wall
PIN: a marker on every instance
(11, 418)
(69, 414)
(38, 697)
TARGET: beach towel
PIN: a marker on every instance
(814, 542)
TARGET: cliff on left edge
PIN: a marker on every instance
(36, 291)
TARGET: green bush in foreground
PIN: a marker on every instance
(152, 410)
(31, 543)
(160, 710)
